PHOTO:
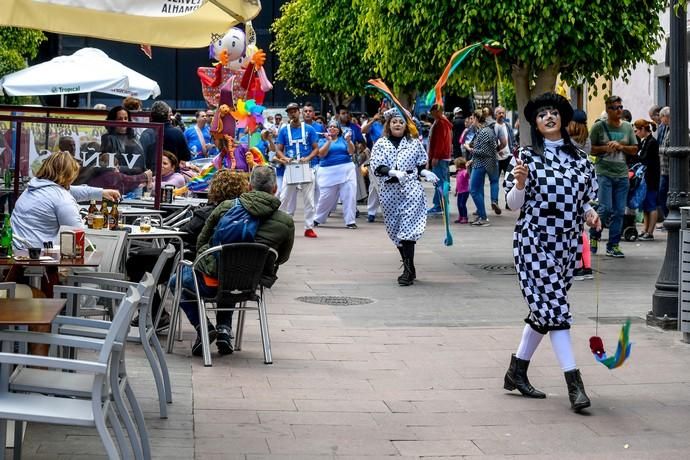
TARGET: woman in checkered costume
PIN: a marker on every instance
(552, 183)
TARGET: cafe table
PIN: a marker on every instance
(50, 258)
(24, 312)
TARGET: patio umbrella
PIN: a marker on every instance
(168, 23)
(62, 75)
(140, 86)
(87, 70)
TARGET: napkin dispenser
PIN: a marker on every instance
(72, 244)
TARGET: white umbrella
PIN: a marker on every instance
(140, 86)
(87, 70)
(168, 23)
(61, 75)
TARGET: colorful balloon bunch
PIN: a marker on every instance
(248, 115)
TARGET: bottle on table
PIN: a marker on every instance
(100, 219)
(113, 217)
(90, 213)
(6, 238)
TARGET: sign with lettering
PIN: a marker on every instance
(151, 8)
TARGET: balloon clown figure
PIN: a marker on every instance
(237, 75)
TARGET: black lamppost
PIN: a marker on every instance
(665, 298)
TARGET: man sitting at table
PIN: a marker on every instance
(276, 230)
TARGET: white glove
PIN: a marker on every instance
(429, 176)
(397, 173)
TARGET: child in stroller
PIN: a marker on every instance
(636, 193)
(637, 190)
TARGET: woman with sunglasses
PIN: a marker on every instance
(552, 184)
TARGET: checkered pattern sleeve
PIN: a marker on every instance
(509, 182)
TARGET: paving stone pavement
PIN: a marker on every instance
(417, 373)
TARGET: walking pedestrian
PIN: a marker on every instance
(552, 184)
(398, 160)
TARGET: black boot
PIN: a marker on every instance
(516, 377)
(406, 278)
(576, 391)
(407, 251)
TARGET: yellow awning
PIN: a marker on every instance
(165, 27)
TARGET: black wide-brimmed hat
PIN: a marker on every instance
(552, 100)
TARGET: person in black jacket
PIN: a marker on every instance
(648, 154)
(173, 138)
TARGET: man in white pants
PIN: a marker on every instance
(297, 141)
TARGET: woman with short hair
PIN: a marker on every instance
(46, 204)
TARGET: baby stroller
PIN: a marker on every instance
(636, 194)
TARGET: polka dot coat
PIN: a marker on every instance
(403, 202)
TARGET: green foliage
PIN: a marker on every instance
(411, 41)
(289, 45)
(320, 47)
(16, 46)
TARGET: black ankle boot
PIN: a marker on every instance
(576, 391)
(516, 377)
(406, 278)
(407, 251)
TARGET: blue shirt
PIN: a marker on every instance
(193, 141)
(320, 132)
(375, 132)
(356, 132)
(304, 146)
(337, 154)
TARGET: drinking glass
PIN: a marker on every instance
(145, 224)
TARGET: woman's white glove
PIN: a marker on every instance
(429, 176)
(397, 173)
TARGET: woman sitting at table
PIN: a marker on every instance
(169, 174)
(47, 203)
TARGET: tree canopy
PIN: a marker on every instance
(321, 48)
(16, 46)
(408, 43)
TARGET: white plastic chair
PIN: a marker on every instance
(152, 347)
(103, 373)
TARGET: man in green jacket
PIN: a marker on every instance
(276, 230)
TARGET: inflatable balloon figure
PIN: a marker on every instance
(239, 70)
(232, 155)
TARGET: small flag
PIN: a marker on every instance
(147, 51)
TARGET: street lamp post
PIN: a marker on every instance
(665, 298)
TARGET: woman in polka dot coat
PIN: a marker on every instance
(552, 184)
(398, 160)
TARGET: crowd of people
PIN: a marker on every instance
(567, 177)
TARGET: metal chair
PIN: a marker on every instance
(103, 399)
(241, 267)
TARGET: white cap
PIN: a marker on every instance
(457, 110)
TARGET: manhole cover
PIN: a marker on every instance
(336, 300)
(501, 269)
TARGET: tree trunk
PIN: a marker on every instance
(545, 81)
(522, 95)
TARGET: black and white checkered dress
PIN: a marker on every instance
(545, 242)
(403, 202)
